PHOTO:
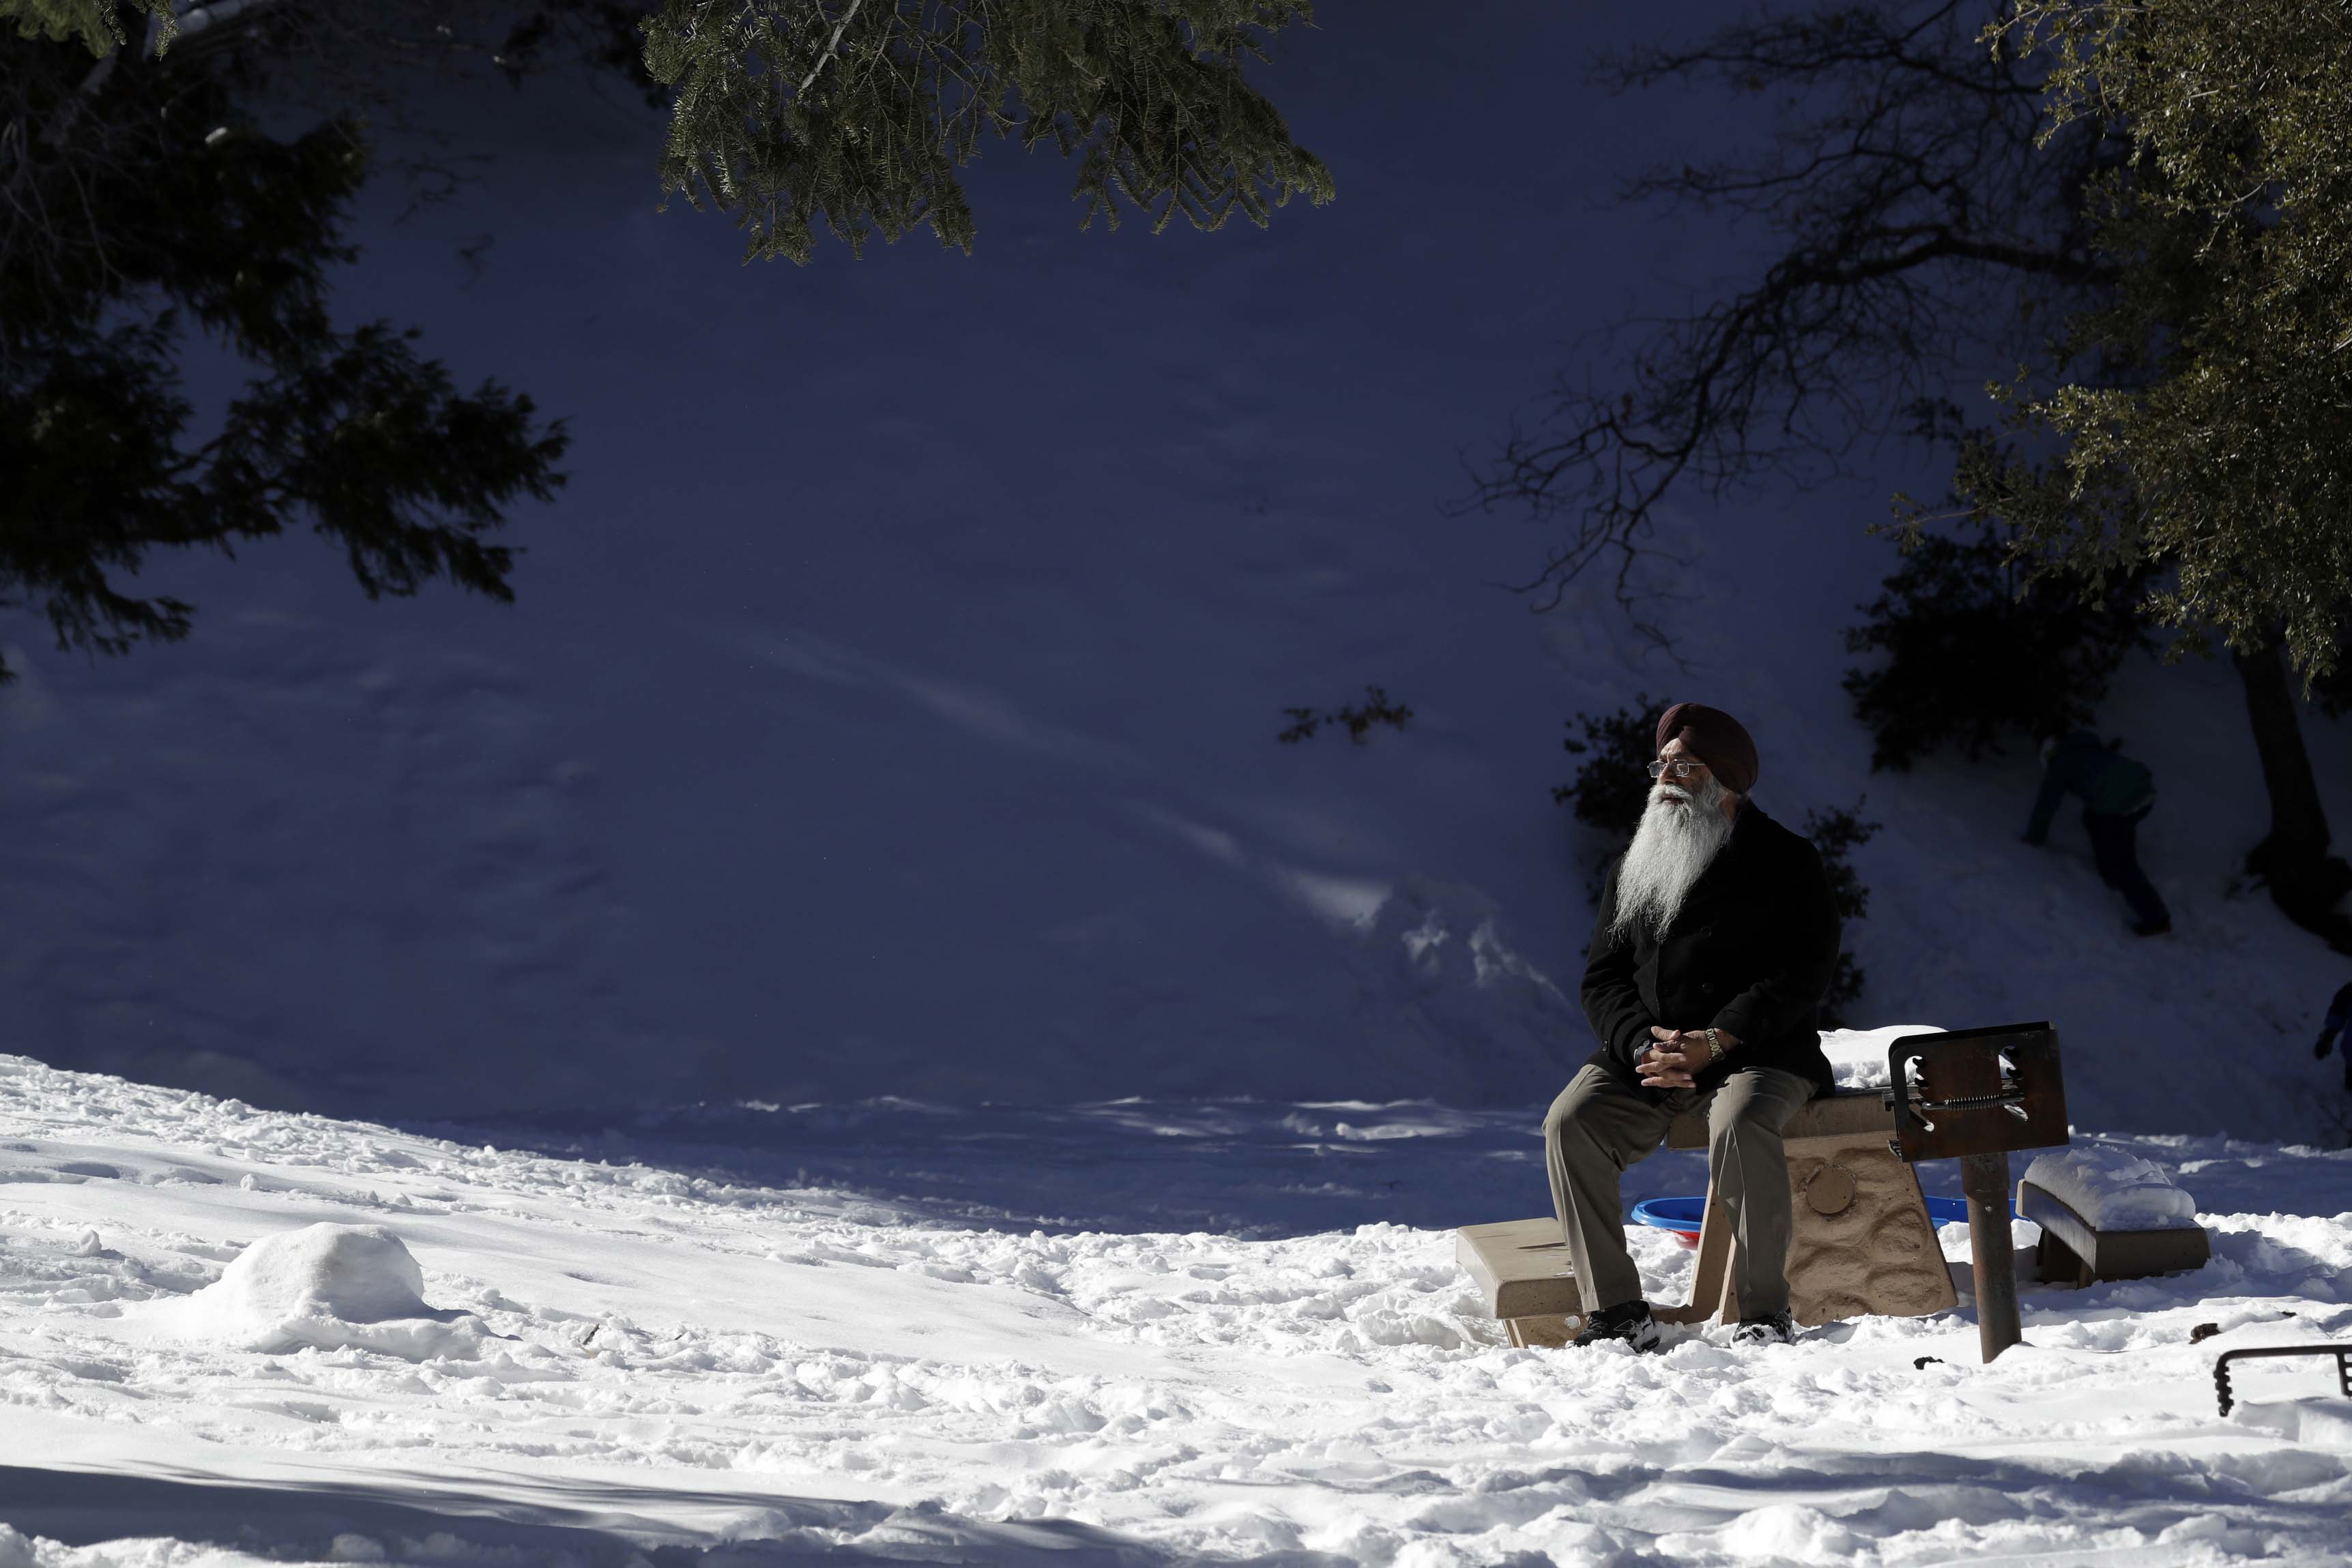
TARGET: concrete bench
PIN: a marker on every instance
(1521, 1269)
(2074, 1252)
(1861, 1242)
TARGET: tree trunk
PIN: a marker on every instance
(2305, 880)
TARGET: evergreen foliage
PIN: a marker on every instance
(147, 192)
(2202, 408)
(1979, 650)
(96, 25)
(1358, 718)
(1611, 786)
(860, 111)
(1837, 833)
(140, 199)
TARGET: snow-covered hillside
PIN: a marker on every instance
(608, 1360)
(890, 706)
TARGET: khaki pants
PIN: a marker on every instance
(1598, 1127)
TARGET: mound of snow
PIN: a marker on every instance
(2317, 1422)
(2113, 1190)
(1858, 1057)
(16, 1551)
(329, 1287)
(1788, 1532)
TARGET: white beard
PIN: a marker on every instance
(1681, 833)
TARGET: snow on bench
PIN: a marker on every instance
(2107, 1214)
(2111, 1190)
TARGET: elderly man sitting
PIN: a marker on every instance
(1716, 942)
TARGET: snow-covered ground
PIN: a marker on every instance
(621, 1359)
(979, 1096)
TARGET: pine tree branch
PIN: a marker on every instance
(832, 46)
(1149, 95)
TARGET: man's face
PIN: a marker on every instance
(1667, 790)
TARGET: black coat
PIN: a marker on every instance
(1751, 952)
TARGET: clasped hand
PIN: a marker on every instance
(1675, 1058)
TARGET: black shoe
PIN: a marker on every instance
(1772, 1329)
(2150, 928)
(1629, 1321)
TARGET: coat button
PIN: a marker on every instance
(1707, 989)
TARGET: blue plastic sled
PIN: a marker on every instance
(1682, 1216)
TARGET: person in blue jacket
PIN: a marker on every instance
(2117, 792)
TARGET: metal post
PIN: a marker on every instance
(1985, 1179)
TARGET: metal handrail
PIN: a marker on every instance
(2343, 1354)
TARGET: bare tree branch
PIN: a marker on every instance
(1921, 223)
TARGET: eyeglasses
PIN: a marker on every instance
(1678, 769)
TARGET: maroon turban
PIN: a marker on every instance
(1717, 739)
